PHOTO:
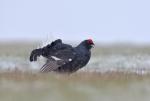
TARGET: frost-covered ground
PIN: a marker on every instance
(106, 58)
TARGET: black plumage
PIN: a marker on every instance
(64, 58)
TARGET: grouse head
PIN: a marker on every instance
(88, 43)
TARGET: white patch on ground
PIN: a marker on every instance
(128, 63)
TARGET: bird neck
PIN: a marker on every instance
(83, 47)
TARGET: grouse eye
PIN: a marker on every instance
(90, 41)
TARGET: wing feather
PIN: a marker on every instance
(64, 55)
(49, 66)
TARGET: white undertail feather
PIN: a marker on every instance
(55, 58)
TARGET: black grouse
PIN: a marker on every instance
(64, 58)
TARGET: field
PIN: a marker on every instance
(115, 73)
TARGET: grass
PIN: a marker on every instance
(81, 86)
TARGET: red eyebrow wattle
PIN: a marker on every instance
(90, 41)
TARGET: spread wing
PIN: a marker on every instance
(45, 50)
(58, 58)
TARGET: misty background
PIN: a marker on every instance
(102, 20)
(121, 66)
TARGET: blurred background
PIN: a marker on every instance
(120, 60)
(104, 21)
